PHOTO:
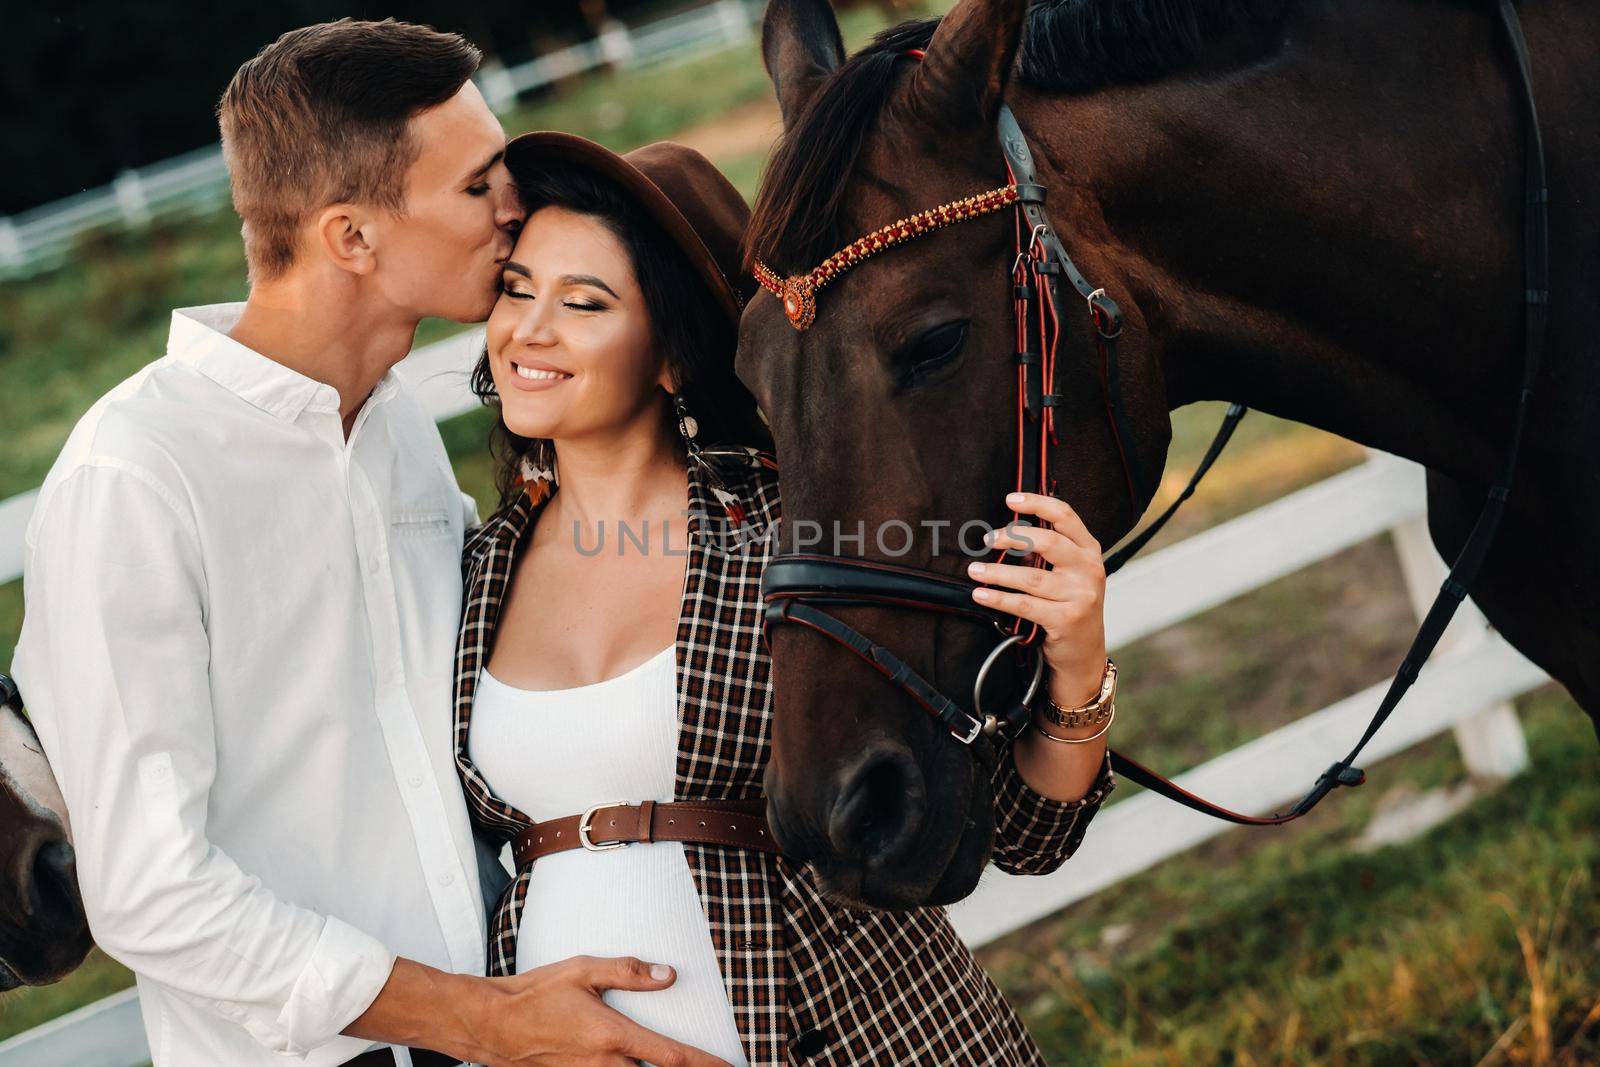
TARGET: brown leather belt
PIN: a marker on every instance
(733, 823)
(420, 1057)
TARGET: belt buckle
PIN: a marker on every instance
(978, 727)
(583, 829)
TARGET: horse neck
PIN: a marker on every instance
(1320, 232)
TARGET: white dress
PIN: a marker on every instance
(556, 752)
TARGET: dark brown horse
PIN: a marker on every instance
(1314, 208)
(43, 932)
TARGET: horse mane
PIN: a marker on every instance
(1076, 45)
(1067, 46)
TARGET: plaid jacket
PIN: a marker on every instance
(810, 981)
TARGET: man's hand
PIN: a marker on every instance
(551, 1016)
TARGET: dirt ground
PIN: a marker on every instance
(740, 131)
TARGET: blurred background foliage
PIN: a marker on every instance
(91, 87)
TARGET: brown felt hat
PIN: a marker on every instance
(678, 187)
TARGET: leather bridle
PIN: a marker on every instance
(794, 582)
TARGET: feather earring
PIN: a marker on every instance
(537, 476)
(689, 429)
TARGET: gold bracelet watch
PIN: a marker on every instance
(1093, 712)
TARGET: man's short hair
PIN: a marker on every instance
(320, 117)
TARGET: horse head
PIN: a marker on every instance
(902, 370)
(44, 934)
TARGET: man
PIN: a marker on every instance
(242, 586)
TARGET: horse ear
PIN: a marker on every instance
(963, 76)
(801, 46)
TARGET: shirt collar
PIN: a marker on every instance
(199, 338)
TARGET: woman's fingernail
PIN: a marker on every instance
(1013, 498)
(983, 594)
(660, 972)
(975, 568)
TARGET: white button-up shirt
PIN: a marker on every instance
(237, 648)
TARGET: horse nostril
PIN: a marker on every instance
(52, 891)
(878, 810)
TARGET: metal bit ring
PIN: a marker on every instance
(990, 722)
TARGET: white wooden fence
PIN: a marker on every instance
(198, 181)
(1465, 687)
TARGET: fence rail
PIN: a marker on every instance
(197, 181)
(1465, 688)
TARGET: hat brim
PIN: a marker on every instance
(543, 147)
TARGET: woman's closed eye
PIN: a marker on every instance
(576, 304)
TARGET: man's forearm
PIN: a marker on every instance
(425, 1007)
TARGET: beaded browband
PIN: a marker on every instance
(799, 293)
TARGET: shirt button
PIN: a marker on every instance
(447, 879)
(415, 781)
(372, 564)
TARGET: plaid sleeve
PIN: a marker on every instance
(1034, 834)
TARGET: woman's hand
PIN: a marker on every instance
(1067, 600)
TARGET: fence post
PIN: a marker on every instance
(10, 245)
(1492, 743)
(616, 43)
(735, 20)
(499, 88)
(131, 201)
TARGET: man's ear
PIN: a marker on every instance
(344, 234)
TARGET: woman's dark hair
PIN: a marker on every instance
(690, 326)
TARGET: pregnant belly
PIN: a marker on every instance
(637, 901)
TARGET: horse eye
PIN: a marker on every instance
(934, 348)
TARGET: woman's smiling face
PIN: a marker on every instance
(570, 343)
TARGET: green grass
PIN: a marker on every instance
(466, 439)
(1287, 947)
(99, 977)
(648, 104)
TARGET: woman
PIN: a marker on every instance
(588, 673)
